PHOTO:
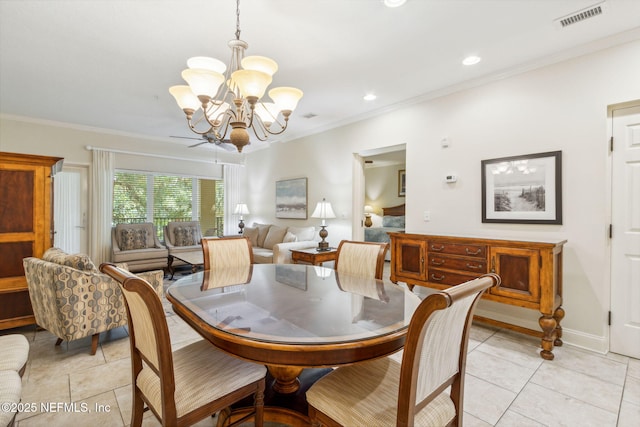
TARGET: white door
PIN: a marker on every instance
(625, 243)
(70, 209)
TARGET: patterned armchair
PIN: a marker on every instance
(181, 237)
(72, 299)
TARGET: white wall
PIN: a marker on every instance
(558, 107)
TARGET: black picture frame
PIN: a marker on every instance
(524, 189)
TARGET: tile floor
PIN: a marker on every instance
(507, 383)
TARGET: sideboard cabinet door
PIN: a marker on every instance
(519, 270)
(410, 259)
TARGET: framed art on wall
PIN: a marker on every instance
(402, 183)
(523, 189)
(291, 198)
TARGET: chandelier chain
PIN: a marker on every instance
(237, 19)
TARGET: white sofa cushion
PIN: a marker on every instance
(252, 234)
(303, 233)
(275, 235)
(289, 237)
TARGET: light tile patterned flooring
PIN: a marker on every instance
(507, 383)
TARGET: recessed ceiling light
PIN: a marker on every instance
(471, 60)
(394, 3)
(369, 97)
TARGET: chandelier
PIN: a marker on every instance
(223, 98)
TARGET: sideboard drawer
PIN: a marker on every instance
(479, 251)
(478, 266)
(448, 278)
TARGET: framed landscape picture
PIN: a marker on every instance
(291, 198)
(523, 189)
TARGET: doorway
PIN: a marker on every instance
(625, 236)
(70, 209)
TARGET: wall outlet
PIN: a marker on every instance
(426, 216)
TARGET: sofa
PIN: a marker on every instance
(138, 246)
(272, 244)
(181, 237)
(72, 299)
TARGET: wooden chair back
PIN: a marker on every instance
(226, 252)
(435, 351)
(365, 259)
(148, 335)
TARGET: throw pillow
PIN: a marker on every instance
(184, 236)
(77, 261)
(303, 233)
(275, 235)
(263, 229)
(289, 237)
(252, 234)
(133, 238)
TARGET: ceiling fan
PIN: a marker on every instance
(208, 139)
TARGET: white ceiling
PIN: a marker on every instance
(108, 64)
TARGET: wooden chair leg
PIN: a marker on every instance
(137, 410)
(94, 343)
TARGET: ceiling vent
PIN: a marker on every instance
(309, 115)
(581, 15)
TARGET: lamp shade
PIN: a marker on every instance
(368, 209)
(323, 210)
(203, 82)
(241, 209)
(260, 63)
(251, 82)
(286, 98)
(184, 97)
(206, 63)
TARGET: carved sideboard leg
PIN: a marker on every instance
(548, 325)
(558, 315)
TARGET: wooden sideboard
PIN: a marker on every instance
(26, 224)
(531, 274)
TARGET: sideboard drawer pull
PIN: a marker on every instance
(471, 252)
(474, 267)
(437, 248)
(435, 261)
(440, 278)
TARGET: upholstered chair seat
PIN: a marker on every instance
(184, 386)
(10, 394)
(426, 388)
(14, 352)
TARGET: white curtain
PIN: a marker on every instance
(101, 206)
(231, 198)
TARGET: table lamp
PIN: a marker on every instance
(241, 209)
(368, 209)
(323, 210)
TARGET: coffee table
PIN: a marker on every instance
(192, 258)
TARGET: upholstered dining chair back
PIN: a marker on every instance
(189, 385)
(226, 252)
(433, 360)
(365, 259)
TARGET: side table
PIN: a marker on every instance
(313, 256)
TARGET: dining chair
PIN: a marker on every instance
(189, 384)
(365, 259)
(225, 252)
(426, 388)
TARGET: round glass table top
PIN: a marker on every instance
(295, 304)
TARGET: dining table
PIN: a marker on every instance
(294, 317)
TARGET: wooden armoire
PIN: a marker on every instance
(26, 228)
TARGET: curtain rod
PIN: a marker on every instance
(161, 156)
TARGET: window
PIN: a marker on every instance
(160, 199)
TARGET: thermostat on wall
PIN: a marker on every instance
(451, 178)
